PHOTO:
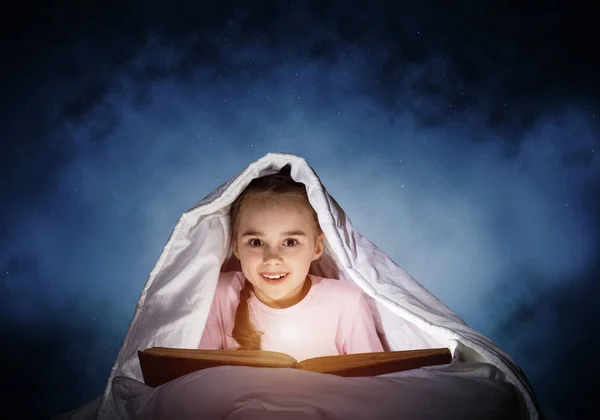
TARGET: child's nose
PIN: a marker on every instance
(271, 254)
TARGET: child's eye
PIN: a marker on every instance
(253, 242)
(292, 240)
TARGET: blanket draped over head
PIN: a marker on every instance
(175, 301)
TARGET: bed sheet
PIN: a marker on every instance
(455, 391)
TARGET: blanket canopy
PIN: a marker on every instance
(175, 301)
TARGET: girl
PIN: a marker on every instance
(274, 303)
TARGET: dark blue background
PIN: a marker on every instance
(462, 140)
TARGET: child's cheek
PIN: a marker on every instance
(251, 254)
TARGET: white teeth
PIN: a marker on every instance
(274, 277)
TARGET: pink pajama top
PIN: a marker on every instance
(333, 318)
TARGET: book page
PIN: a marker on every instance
(355, 364)
(160, 365)
(236, 357)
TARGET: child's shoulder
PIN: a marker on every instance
(342, 289)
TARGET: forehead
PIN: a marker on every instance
(270, 216)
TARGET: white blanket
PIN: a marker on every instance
(174, 303)
(458, 391)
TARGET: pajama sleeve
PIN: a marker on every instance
(360, 335)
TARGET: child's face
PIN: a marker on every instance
(270, 241)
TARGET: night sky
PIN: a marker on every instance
(462, 140)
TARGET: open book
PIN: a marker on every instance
(161, 364)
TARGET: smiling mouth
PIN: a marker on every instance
(274, 277)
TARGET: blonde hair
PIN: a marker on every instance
(278, 188)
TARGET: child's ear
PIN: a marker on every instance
(319, 246)
(235, 250)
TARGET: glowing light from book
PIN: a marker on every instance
(290, 335)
